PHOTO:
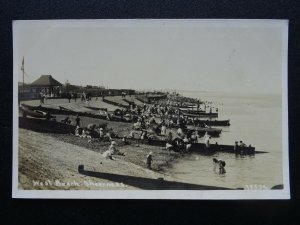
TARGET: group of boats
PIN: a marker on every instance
(202, 126)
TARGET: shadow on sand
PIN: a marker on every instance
(147, 183)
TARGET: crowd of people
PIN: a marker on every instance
(151, 121)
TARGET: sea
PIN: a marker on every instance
(255, 119)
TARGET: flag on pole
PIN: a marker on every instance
(22, 67)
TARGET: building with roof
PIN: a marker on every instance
(45, 85)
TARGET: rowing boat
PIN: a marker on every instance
(34, 113)
(212, 122)
(214, 132)
(96, 108)
(65, 111)
(201, 147)
(200, 115)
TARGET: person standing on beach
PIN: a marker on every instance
(41, 98)
(75, 96)
(77, 120)
(207, 142)
(69, 97)
(149, 160)
(236, 146)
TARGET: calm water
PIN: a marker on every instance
(256, 120)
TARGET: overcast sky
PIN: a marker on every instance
(225, 56)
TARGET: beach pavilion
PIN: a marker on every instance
(46, 85)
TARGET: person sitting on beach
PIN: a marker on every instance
(83, 134)
(194, 137)
(187, 143)
(131, 134)
(188, 146)
(77, 134)
(101, 133)
(66, 120)
(114, 150)
(48, 116)
(171, 123)
(185, 139)
(137, 125)
(124, 141)
(144, 135)
(169, 146)
(152, 120)
(180, 132)
(163, 129)
(108, 136)
(108, 155)
(170, 137)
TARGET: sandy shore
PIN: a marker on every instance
(46, 163)
(45, 158)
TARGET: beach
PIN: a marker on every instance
(43, 158)
(56, 156)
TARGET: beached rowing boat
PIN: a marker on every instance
(212, 122)
(34, 113)
(96, 108)
(200, 115)
(214, 132)
(201, 147)
(68, 112)
(191, 111)
(115, 103)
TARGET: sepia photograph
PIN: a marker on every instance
(150, 109)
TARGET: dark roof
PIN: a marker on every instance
(45, 81)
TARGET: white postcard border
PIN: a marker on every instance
(159, 194)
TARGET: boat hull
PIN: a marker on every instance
(201, 147)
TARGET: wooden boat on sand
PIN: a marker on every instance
(200, 147)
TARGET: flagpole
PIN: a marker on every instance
(23, 71)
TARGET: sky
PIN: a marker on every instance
(199, 55)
